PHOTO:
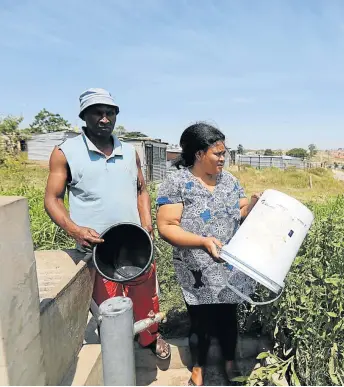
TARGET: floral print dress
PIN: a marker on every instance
(210, 214)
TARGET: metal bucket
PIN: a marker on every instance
(126, 253)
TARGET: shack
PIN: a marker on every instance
(173, 153)
(152, 153)
(40, 146)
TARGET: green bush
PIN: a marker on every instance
(321, 172)
(45, 234)
(307, 322)
(171, 299)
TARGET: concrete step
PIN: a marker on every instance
(87, 370)
(247, 348)
(214, 375)
(173, 377)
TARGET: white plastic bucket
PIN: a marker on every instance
(268, 241)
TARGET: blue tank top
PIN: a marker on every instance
(103, 189)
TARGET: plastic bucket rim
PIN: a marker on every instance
(252, 272)
(143, 271)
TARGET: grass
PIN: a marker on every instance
(293, 182)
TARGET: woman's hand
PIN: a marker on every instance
(254, 199)
(212, 246)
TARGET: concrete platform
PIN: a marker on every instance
(151, 371)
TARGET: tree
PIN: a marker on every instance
(297, 152)
(268, 152)
(120, 131)
(10, 135)
(134, 134)
(10, 124)
(312, 150)
(240, 149)
(47, 122)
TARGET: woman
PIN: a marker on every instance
(199, 210)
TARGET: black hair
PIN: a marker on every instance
(197, 137)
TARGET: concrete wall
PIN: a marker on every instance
(44, 303)
(21, 356)
(65, 291)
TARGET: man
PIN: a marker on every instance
(105, 186)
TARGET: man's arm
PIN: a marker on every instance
(143, 199)
(54, 201)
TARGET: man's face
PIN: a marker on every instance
(100, 119)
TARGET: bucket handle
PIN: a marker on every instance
(247, 298)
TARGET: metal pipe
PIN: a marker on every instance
(142, 325)
(95, 310)
(117, 341)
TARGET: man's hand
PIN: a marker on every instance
(150, 230)
(86, 237)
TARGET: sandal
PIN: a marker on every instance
(163, 346)
(192, 383)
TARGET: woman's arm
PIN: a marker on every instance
(168, 221)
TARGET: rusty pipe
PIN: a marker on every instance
(144, 324)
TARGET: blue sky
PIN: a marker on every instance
(268, 73)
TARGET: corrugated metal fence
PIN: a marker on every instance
(258, 161)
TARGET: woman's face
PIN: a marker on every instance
(212, 161)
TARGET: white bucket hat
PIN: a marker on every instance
(96, 96)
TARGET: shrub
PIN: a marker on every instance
(171, 298)
(307, 323)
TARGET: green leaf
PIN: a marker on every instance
(287, 352)
(333, 281)
(332, 371)
(294, 378)
(240, 379)
(338, 326)
(298, 319)
(276, 330)
(284, 370)
(263, 355)
(332, 314)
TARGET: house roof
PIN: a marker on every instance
(173, 150)
(144, 139)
